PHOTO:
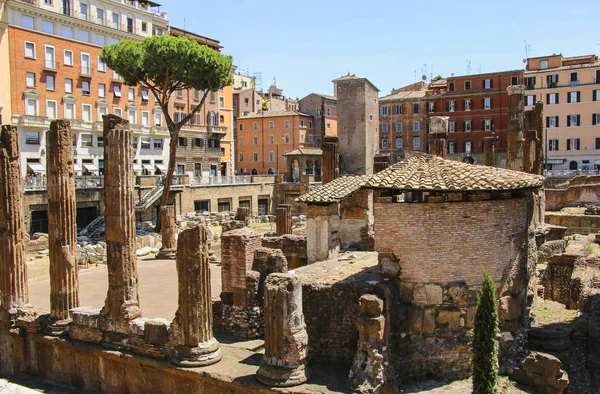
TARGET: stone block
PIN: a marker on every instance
(136, 326)
(449, 317)
(419, 294)
(509, 308)
(85, 316)
(406, 292)
(429, 321)
(457, 295)
(388, 266)
(371, 305)
(415, 321)
(434, 294)
(156, 331)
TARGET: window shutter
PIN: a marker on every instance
(464, 126)
(547, 121)
(491, 103)
(568, 120)
(482, 103)
(491, 124)
(483, 125)
(557, 122)
(491, 83)
(557, 98)
(568, 145)
(578, 97)
(577, 142)
(547, 98)
(569, 97)
(578, 120)
(593, 119)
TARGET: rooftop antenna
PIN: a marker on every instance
(527, 50)
(479, 69)
(468, 67)
(183, 23)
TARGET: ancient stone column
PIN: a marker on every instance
(367, 374)
(283, 220)
(243, 214)
(489, 152)
(331, 159)
(438, 126)
(13, 270)
(533, 140)
(514, 142)
(62, 227)
(196, 345)
(168, 232)
(122, 303)
(286, 340)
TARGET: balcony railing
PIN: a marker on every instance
(32, 2)
(221, 180)
(85, 71)
(217, 129)
(31, 120)
(81, 182)
(569, 173)
(50, 65)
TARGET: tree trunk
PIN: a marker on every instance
(171, 167)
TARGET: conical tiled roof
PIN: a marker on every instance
(426, 172)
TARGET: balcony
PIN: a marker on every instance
(81, 125)
(217, 129)
(32, 2)
(159, 130)
(529, 87)
(31, 120)
(98, 126)
(50, 65)
(139, 129)
(85, 72)
(573, 83)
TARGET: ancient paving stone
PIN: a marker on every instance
(283, 219)
(196, 345)
(13, 270)
(122, 300)
(168, 232)
(367, 374)
(286, 340)
(62, 227)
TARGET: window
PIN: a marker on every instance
(286, 124)
(514, 80)
(416, 108)
(574, 80)
(101, 90)
(51, 109)
(597, 143)
(85, 88)
(100, 144)
(573, 120)
(86, 113)
(131, 94)
(385, 110)
(384, 143)
(83, 11)
(100, 16)
(451, 105)
(68, 85)
(241, 157)
(286, 138)
(158, 143)
(544, 64)
(301, 122)
(384, 127)
(255, 140)
(131, 116)
(468, 125)
(27, 22)
(117, 91)
(87, 140)
(302, 138)
(157, 118)
(416, 142)
(84, 35)
(271, 156)
(468, 105)
(68, 58)
(145, 118)
(255, 157)
(30, 80)
(530, 100)
(467, 85)
(101, 112)
(552, 80)
(29, 50)
(487, 83)
(487, 124)
(468, 146)
(573, 97)
(31, 107)
(431, 107)
(310, 139)
(596, 95)
(271, 124)
(101, 65)
(553, 145)
(130, 25)
(328, 126)
(50, 82)
(100, 40)
(117, 111)
(416, 125)
(115, 20)
(398, 127)
(69, 110)
(145, 96)
(398, 109)
(66, 31)
(145, 142)
(451, 87)
(85, 64)
(181, 141)
(310, 124)
(552, 121)
(144, 27)
(451, 126)
(32, 138)
(573, 144)
(451, 147)
(255, 126)
(595, 119)
(328, 111)
(552, 98)
(48, 27)
(271, 139)
(487, 103)
(398, 142)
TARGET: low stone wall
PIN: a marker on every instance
(557, 278)
(293, 247)
(579, 193)
(575, 223)
(239, 321)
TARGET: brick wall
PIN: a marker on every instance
(237, 254)
(444, 242)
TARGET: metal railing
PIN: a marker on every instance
(221, 180)
(81, 182)
(569, 173)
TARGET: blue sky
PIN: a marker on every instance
(306, 44)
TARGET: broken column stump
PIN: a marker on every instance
(438, 127)
(168, 232)
(514, 140)
(62, 227)
(122, 300)
(286, 339)
(331, 159)
(196, 345)
(368, 369)
(489, 151)
(283, 220)
(13, 269)
(243, 214)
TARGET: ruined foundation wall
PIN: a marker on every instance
(322, 232)
(575, 224)
(356, 221)
(573, 196)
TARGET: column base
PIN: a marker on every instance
(204, 354)
(279, 376)
(58, 328)
(167, 254)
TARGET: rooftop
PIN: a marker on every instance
(427, 172)
(404, 96)
(272, 114)
(336, 190)
(348, 77)
(305, 151)
(563, 68)
(176, 31)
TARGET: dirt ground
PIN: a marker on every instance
(505, 386)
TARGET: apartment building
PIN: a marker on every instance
(264, 137)
(323, 108)
(569, 87)
(402, 122)
(477, 106)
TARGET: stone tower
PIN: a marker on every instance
(358, 124)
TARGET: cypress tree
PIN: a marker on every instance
(484, 344)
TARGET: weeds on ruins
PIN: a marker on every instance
(484, 345)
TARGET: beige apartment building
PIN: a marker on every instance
(569, 87)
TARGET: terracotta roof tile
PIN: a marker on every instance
(336, 190)
(305, 151)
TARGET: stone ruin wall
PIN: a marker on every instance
(356, 221)
(438, 282)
